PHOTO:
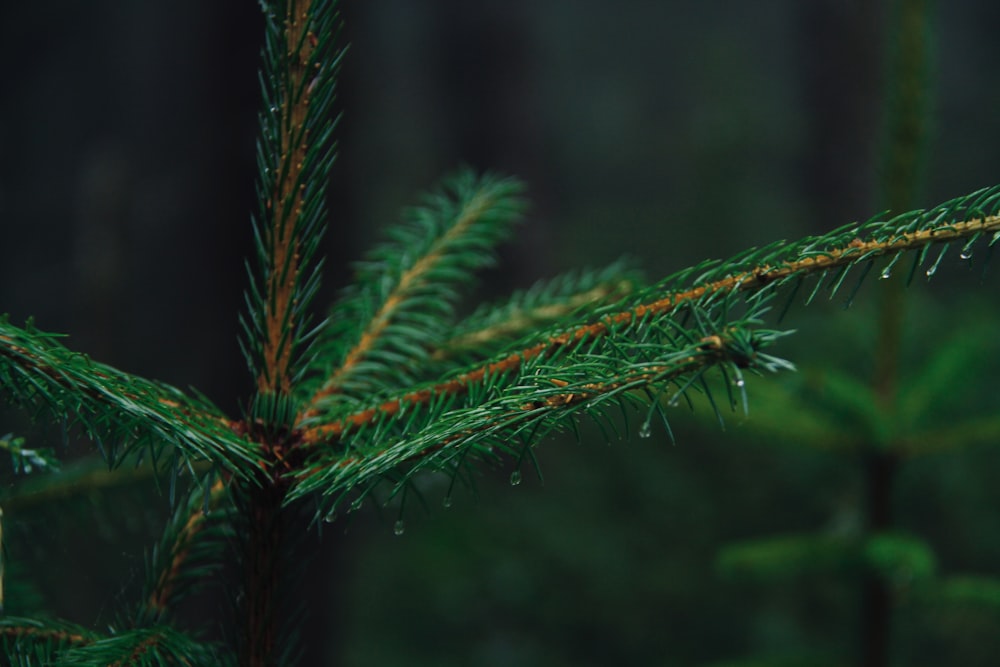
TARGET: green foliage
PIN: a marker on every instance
(396, 383)
(124, 414)
(399, 312)
(39, 642)
(900, 559)
(295, 152)
(779, 558)
(969, 591)
(144, 647)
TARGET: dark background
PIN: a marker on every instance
(668, 131)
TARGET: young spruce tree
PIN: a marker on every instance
(882, 423)
(393, 385)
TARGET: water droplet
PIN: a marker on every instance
(674, 402)
(740, 382)
(356, 505)
(646, 429)
(931, 271)
(446, 502)
(274, 109)
(886, 273)
(330, 518)
(966, 254)
(399, 528)
(515, 478)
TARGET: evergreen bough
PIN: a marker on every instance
(393, 384)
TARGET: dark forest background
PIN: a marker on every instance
(669, 132)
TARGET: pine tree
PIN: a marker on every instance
(394, 385)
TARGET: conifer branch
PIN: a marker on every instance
(287, 206)
(295, 155)
(123, 413)
(18, 634)
(186, 555)
(381, 335)
(635, 365)
(495, 325)
(145, 647)
(782, 263)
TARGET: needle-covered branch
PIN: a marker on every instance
(382, 331)
(495, 326)
(190, 550)
(42, 640)
(124, 414)
(755, 274)
(482, 407)
(509, 411)
(146, 647)
(295, 153)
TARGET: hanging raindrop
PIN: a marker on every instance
(931, 271)
(399, 528)
(886, 273)
(740, 382)
(330, 518)
(446, 503)
(965, 254)
(515, 478)
(646, 429)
